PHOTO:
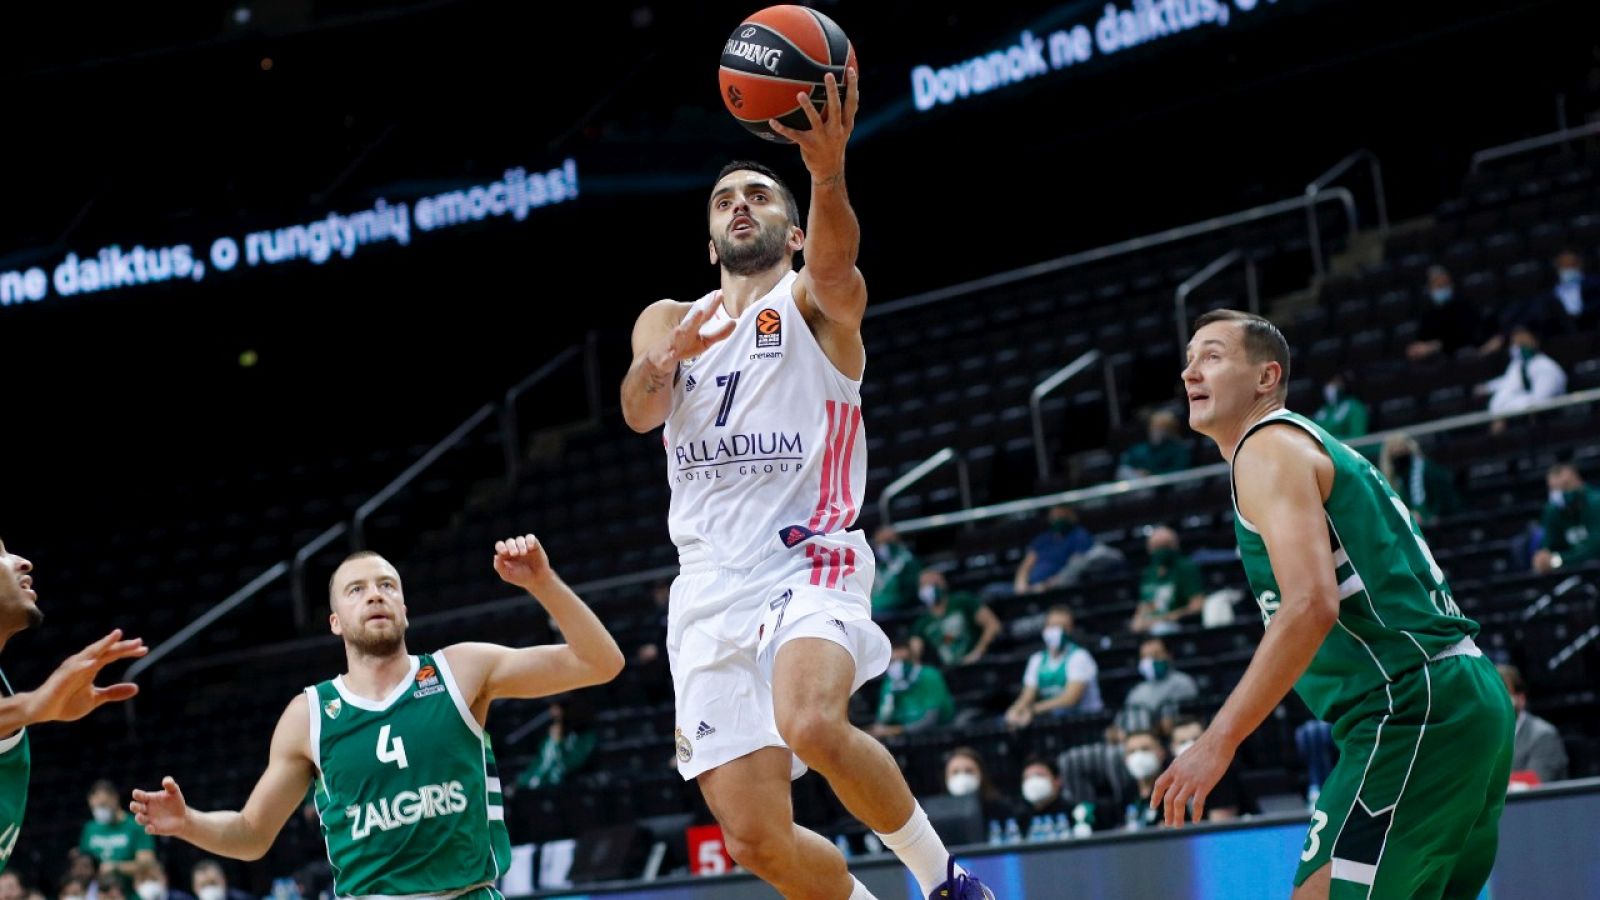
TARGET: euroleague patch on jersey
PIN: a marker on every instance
(685, 751)
(769, 329)
(427, 682)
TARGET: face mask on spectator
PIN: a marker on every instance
(1036, 789)
(1143, 764)
(929, 594)
(961, 784)
(1165, 556)
(883, 550)
(102, 814)
(1526, 353)
(150, 890)
(1053, 637)
(900, 671)
(1558, 498)
(1570, 276)
(1330, 393)
(1061, 526)
(1153, 669)
(211, 892)
(1441, 296)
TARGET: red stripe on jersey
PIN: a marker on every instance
(833, 569)
(827, 472)
(816, 563)
(849, 561)
(836, 451)
(844, 469)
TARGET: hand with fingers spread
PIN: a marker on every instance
(70, 692)
(822, 147)
(690, 338)
(1191, 777)
(521, 561)
(162, 812)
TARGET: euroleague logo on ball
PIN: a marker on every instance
(734, 97)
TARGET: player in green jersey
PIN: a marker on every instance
(69, 693)
(1362, 624)
(403, 772)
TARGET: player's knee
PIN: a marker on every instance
(757, 845)
(818, 738)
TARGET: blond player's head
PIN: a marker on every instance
(1238, 363)
(367, 605)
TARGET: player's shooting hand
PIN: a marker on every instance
(522, 561)
(160, 812)
(689, 339)
(822, 147)
(1191, 777)
(70, 692)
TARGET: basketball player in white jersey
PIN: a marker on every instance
(769, 623)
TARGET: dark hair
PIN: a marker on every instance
(1181, 721)
(359, 554)
(1263, 342)
(1062, 608)
(745, 165)
(208, 865)
(1147, 732)
(1038, 760)
(1513, 677)
(104, 784)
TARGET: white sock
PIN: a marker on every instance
(860, 892)
(919, 847)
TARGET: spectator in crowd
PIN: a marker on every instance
(83, 869)
(11, 886)
(1171, 587)
(964, 774)
(956, 626)
(899, 573)
(1164, 451)
(109, 887)
(150, 882)
(565, 749)
(1313, 739)
(1229, 799)
(1041, 792)
(1530, 378)
(210, 882)
(115, 841)
(1450, 324)
(1096, 781)
(914, 697)
(1145, 756)
(1428, 488)
(1571, 521)
(1536, 746)
(72, 889)
(1060, 555)
(1060, 677)
(34, 894)
(1153, 702)
(1577, 293)
(1342, 413)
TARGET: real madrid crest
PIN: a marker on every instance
(685, 752)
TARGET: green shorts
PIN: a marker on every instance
(1413, 807)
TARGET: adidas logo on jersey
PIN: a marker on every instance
(407, 808)
(704, 731)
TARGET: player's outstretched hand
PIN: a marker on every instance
(690, 337)
(522, 561)
(822, 147)
(160, 812)
(70, 692)
(1191, 777)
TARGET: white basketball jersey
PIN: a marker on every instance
(765, 444)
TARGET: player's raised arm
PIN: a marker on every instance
(70, 692)
(1281, 477)
(248, 833)
(663, 335)
(830, 278)
(487, 672)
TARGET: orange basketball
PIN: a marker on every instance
(773, 56)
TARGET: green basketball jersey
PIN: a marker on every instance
(406, 788)
(1395, 609)
(15, 764)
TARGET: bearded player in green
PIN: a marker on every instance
(68, 694)
(405, 778)
(1361, 623)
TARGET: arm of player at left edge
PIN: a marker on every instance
(830, 279)
(590, 656)
(1277, 476)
